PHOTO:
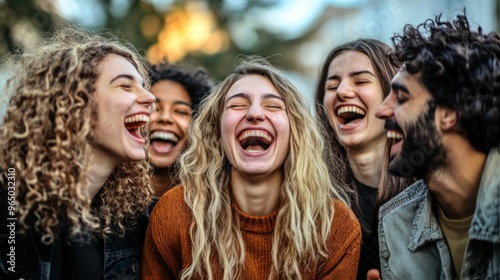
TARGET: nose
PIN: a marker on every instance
(255, 112)
(145, 97)
(386, 109)
(345, 91)
(162, 113)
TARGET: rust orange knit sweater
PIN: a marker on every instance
(167, 249)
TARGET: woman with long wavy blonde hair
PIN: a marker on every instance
(72, 155)
(256, 200)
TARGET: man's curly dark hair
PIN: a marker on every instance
(195, 80)
(461, 69)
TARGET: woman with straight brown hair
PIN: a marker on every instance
(354, 79)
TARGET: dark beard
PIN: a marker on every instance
(422, 151)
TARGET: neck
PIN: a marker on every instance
(162, 181)
(456, 186)
(96, 178)
(366, 164)
(101, 167)
(256, 196)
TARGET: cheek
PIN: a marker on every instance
(153, 118)
(184, 123)
(400, 115)
(226, 130)
(371, 96)
(283, 127)
(329, 103)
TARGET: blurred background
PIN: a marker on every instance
(295, 35)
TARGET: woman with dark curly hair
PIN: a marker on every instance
(72, 157)
(178, 89)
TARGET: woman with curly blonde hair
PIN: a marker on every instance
(72, 156)
(256, 200)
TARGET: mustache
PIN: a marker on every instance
(392, 125)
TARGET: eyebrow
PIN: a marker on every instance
(126, 76)
(352, 74)
(244, 95)
(399, 87)
(176, 102)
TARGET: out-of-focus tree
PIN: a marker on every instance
(211, 34)
(22, 20)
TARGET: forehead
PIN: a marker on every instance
(252, 85)
(114, 64)
(350, 61)
(403, 77)
(410, 83)
(167, 90)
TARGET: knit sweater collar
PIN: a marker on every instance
(256, 224)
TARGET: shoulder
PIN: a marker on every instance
(170, 207)
(416, 192)
(344, 218)
(345, 234)
(345, 226)
(172, 198)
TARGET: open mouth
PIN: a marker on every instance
(163, 141)
(394, 132)
(349, 114)
(134, 123)
(255, 140)
(394, 135)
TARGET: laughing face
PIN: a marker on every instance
(123, 108)
(352, 94)
(169, 123)
(409, 114)
(255, 127)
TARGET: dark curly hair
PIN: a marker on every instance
(461, 69)
(195, 80)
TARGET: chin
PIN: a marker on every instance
(162, 161)
(137, 156)
(162, 165)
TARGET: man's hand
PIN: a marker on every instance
(373, 274)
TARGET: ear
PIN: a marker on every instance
(447, 118)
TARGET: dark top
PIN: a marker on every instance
(82, 260)
(115, 257)
(369, 257)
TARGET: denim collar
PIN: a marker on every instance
(425, 227)
(485, 224)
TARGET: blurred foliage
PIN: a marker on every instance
(23, 19)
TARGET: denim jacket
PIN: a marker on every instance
(412, 245)
(35, 261)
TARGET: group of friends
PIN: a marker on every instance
(115, 168)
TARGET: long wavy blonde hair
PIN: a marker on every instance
(306, 209)
(47, 136)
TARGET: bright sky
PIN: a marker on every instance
(294, 15)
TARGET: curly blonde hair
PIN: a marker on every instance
(306, 209)
(47, 136)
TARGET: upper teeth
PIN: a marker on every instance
(164, 136)
(137, 118)
(255, 133)
(394, 134)
(350, 109)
